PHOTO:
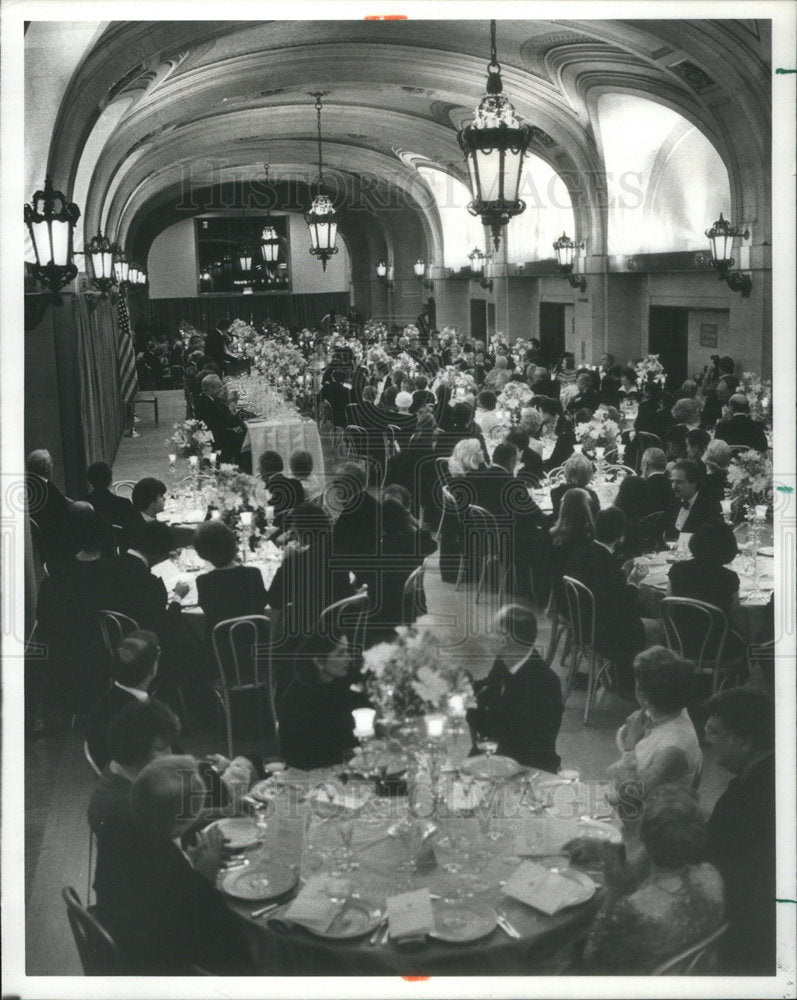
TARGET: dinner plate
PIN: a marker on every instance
(491, 767)
(766, 550)
(586, 887)
(238, 832)
(269, 880)
(356, 918)
(599, 830)
(461, 922)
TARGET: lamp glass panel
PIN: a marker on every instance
(313, 228)
(419, 267)
(513, 172)
(103, 265)
(489, 166)
(381, 269)
(477, 264)
(41, 241)
(333, 233)
(60, 231)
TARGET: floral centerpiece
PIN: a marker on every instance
(750, 480)
(568, 393)
(513, 397)
(191, 437)
(407, 677)
(376, 355)
(650, 369)
(759, 396)
(337, 342)
(598, 433)
(497, 340)
(244, 338)
(448, 336)
(374, 330)
(461, 383)
(518, 351)
(229, 491)
(412, 334)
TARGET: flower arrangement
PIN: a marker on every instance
(229, 491)
(497, 340)
(518, 351)
(244, 337)
(337, 342)
(376, 355)
(514, 396)
(375, 330)
(750, 478)
(187, 331)
(407, 677)
(412, 334)
(461, 383)
(568, 393)
(448, 336)
(650, 369)
(598, 433)
(191, 437)
(759, 396)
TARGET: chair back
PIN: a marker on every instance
(391, 441)
(124, 488)
(352, 413)
(697, 959)
(615, 472)
(98, 953)
(580, 612)
(413, 600)
(242, 647)
(92, 763)
(554, 477)
(326, 420)
(114, 626)
(695, 630)
(346, 617)
(651, 531)
(357, 440)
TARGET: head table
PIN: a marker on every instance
(284, 437)
(520, 820)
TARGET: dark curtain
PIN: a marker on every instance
(203, 314)
(101, 410)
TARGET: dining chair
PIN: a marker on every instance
(698, 631)
(413, 598)
(242, 647)
(98, 953)
(696, 960)
(114, 626)
(581, 614)
(488, 545)
(554, 477)
(347, 617)
(124, 488)
(651, 530)
(97, 771)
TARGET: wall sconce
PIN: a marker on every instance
(385, 273)
(51, 219)
(423, 272)
(478, 261)
(99, 254)
(121, 265)
(565, 258)
(721, 236)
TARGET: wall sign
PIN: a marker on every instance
(708, 334)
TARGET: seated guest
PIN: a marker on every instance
(285, 493)
(632, 500)
(413, 468)
(716, 400)
(115, 510)
(587, 397)
(486, 416)
(314, 710)
(578, 475)
(45, 503)
(726, 368)
(620, 633)
(716, 459)
(138, 733)
(689, 508)
(161, 908)
(530, 461)
(686, 417)
(223, 424)
(133, 669)
(149, 500)
(301, 466)
(83, 526)
(519, 703)
(562, 427)
(739, 428)
(461, 426)
(574, 528)
(355, 536)
(628, 384)
(741, 829)
(499, 374)
(422, 396)
(229, 590)
(658, 742)
(466, 458)
(544, 385)
(697, 440)
(651, 418)
(337, 395)
(688, 389)
(653, 469)
(531, 420)
(676, 902)
(405, 421)
(705, 576)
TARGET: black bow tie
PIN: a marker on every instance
(685, 504)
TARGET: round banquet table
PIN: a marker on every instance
(606, 493)
(285, 439)
(299, 837)
(753, 601)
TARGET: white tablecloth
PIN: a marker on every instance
(171, 571)
(285, 439)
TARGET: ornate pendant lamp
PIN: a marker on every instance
(269, 240)
(99, 253)
(121, 265)
(721, 237)
(494, 144)
(322, 220)
(565, 250)
(51, 219)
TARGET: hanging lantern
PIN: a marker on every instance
(245, 257)
(322, 220)
(494, 144)
(721, 237)
(99, 254)
(419, 267)
(270, 245)
(565, 250)
(121, 265)
(51, 219)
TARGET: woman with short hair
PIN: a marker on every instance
(574, 528)
(229, 590)
(578, 472)
(717, 459)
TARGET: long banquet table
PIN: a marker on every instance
(471, 869)
(285, 439)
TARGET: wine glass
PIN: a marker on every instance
(672, 545)
(346, 829)
(486, 744)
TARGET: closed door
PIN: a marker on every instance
(478, 319)
(552, 330)
(668, 336)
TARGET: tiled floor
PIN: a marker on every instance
(59, 782)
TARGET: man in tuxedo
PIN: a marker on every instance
(422, 395)
(544, 385)
(216, 344)
(285, 492)
(689, 508)
(383, 379)
(114, 510)
(587, 398)
(223, 424)
(338, 396)
(159, 903)
(133, 669)
(741, 829)
(619, 630)
(657, 483)
(715, 401)
(740, 428)
(358, 529)
(519, 704)
(46, 505)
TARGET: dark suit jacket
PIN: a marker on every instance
(619, 633)
(220, 421)
(589, 400)
(420, 398)
(713, 486)
(741, 846)
(115, 510)
(102, 714)
(741, 429)
(702, 510)
(549, 387)
(355, 538)
(47, 506)
(523, 711)
(286, 493)
(559, 491)
(162, 914)
(125, 584)
(659, 492)
(216, 348)
(338, 397)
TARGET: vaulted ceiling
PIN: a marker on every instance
(155, 110)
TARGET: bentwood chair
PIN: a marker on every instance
(114, 626)
(413, 601)
(242, 647)
(699, 959)
(347, 617)
(98, 953)
(488, 546)
(581, 614)
(124, 488)
(698, 631)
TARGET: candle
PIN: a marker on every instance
(577, 448)
(193, 461)
(246, 518)
(621, 451)
(213, 456)
(434, 726)
(363, 722)
(726, 507)
(456, 706)
(215, 515)
(172, 459)
(760, 512)
(600, 451)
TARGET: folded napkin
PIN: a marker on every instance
(313, 907)
(544, 890)
(410, 915)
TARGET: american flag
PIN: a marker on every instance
(128, 376)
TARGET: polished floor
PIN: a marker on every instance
(58, 780)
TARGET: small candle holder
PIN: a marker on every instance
(245, 518)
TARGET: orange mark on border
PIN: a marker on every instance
(416, 979)
(385, 17)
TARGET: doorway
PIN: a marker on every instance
(478, 319)
(552, 330)
(668, 336)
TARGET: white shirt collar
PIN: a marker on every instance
(138, 555)
(148, 517)
(605, 546)
(137, 693)
(516, 666)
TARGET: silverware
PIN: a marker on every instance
(506, 927)
(379, 928)
(386, 935)
(264, 910)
